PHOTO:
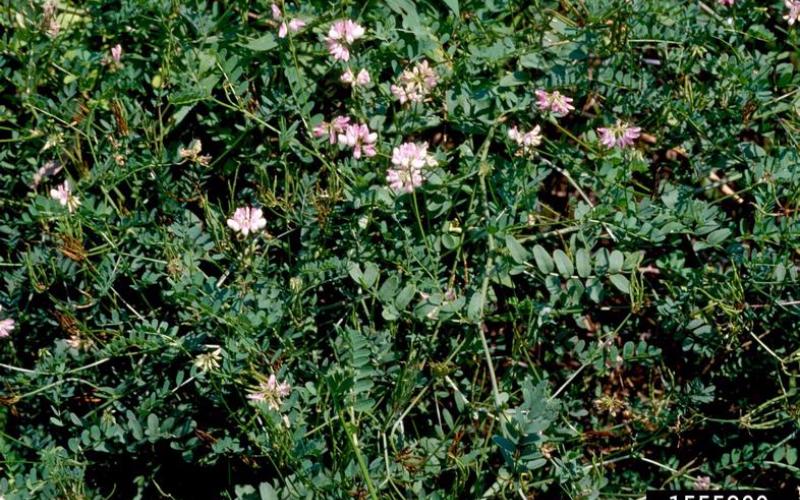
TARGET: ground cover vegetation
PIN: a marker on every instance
(398, 249)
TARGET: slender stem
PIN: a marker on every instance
(349, 428)
(419, 223)
(482, 173)
(570, 379)
(580, 191)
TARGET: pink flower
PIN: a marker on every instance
(49, 169)
(416, 83)
(702, 482)
(360, 139)
(794, 11)
(340, 122)
(348, 76)
(271, 392)
(341, 36)
(526, 141)
(294, 25)
(727, 3)
(408, 160)
(361, 79)
(333, 129)
(555, 102)
(50, 18)
(63, 194)
(620, 135)
(6, 326)
(116, 53)
(247, 220)
(410, 154)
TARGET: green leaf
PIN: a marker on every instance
(615, 261)
(718, 236)
(628, 349)
(474, 308)
(583, 262)
(601, 262)
(543, 260)
(791, 456)
(370, 276)
(505, 444)
(575, 290)
(267, 492)
(535, 464)
(563, 263)
(263, 44)
(621, 282)
(450, 242)
(513, 79)
(632, 261)
(453, 5)
(518, 252)
(152, 424)
(780, 273)
(75, 419)
(354, 270)
(390, 313)
(404, 297)
(388, 290)
(408, 11)
(134, 426)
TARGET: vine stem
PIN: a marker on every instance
(580, 191)
(482, 173)
(419, 223)
(349, 428)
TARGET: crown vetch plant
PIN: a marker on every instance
(398, 249)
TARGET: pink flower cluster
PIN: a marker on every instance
(6, 326)
(247, 220)
(63, 194)
(360, 139)
(356, 80)
(526, 141)
(341, 36)
(416, 83)
(408, 160)
(620, 135)
(356, 136)
(271, 392)
(559, 104)
(294, 25)
(727, 3)
(332, 129)
(116, 53)
(794, 11)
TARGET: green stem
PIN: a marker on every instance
(482, 173)
(419, 224)
(349, 428)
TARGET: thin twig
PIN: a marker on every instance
(580, 191)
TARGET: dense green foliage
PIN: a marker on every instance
(638, 307)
